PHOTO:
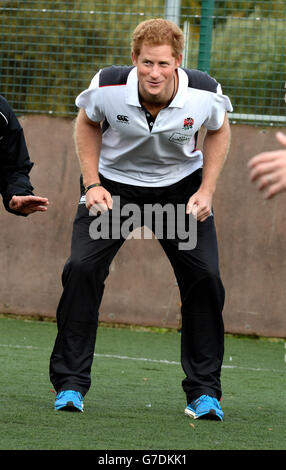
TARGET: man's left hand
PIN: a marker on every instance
(200, 205)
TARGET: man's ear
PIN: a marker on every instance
(179, 60)
(134, 58)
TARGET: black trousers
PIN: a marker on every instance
(197, 274)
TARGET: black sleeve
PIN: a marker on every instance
(15, 164)
(201, 80)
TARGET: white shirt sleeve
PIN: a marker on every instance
(90, 100)
(220, 104)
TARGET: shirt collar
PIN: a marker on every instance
(131, 90)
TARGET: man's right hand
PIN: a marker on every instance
(98, 200)
(28, 204)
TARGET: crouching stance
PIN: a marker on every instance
(136, 138)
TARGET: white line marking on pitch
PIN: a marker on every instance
(143, 359)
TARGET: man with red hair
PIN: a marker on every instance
(136, 138)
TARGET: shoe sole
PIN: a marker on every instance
(69, 406)
(210, 415)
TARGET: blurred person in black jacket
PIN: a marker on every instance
(15, 166)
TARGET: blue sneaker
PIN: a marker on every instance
(205, 407)
(69, 400)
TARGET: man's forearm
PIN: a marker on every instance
(215, 150)
(87, 136)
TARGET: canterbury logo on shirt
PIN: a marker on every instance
(122, 118)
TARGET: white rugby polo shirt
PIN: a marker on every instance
(141, 151)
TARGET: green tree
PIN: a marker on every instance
(249, 59)
(50, 50)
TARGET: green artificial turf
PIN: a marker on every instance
(136, 400)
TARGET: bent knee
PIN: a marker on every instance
(85, 269)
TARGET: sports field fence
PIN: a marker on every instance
(51, 49)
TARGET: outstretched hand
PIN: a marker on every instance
(28, 204)
(268, 169)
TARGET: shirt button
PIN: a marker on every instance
(151, 124)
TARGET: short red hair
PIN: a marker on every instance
(158, 31)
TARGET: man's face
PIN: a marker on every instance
(156, 68)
